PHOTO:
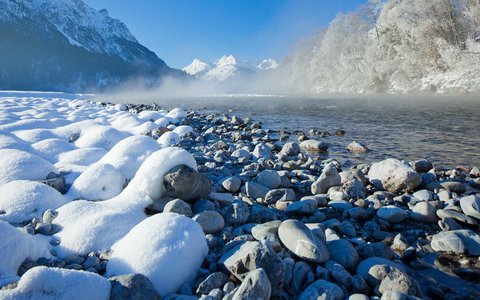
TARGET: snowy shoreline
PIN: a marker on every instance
(215, 205)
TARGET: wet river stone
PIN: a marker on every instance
(301, 241)
(313, 146)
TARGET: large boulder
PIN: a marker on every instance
(186, 183)
(394, 176)
(132, 286)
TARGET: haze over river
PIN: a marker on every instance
(445, 130)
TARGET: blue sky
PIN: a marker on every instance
(181, 30)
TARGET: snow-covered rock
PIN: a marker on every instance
(20, 165)
(167, 248)
(93, 226)
(16, 246)
(23, 200)
(53, 283)
(169, 138)
(129, 154)
(100, 181)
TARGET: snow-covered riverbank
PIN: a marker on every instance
(215, 205)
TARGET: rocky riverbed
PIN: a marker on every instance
(271, 219)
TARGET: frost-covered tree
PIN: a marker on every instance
(394, 46)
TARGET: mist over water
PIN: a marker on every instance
(443, 129)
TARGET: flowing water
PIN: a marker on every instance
(443, 130)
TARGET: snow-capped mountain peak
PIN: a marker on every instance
(229, 60)
(228, 66)
(268, 64)
(197, 67)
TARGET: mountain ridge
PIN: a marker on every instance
(67, 45)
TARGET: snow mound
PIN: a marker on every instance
(177, 113)
(167, 248)
(20, 165)
(81, 157)
(169, 138)
(16, 246)
(130, 153)
(100, 181)
(183, 129)
(55, 283)
(93, 226)
(104, 137)
(50, 148)
(11, 141)
(23, 200)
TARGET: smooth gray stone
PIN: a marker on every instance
(392, 214)
(423, 195)
(364, 267)
(178, 206)
(187, 184)
(450, 186)
(397, 281)
(471, 206)
(449, 213)
(255, 286)
(394, 176)
(338, 272)
(322, 289)
(424, 212)
(378, 249)
(343, 252)
(341, 205)
(269, 179)
(213, 281)
(357, 147)
(268, 230)
(255, 190)
(457, 241)
(249, 256)
(290, 149)
(303, 207)
(422, 165)
(237, 213)
(210, 221)
(132, 286)
(302, 242)
(232, 184)
(327, 179)
(285, 195)
(314, 146)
